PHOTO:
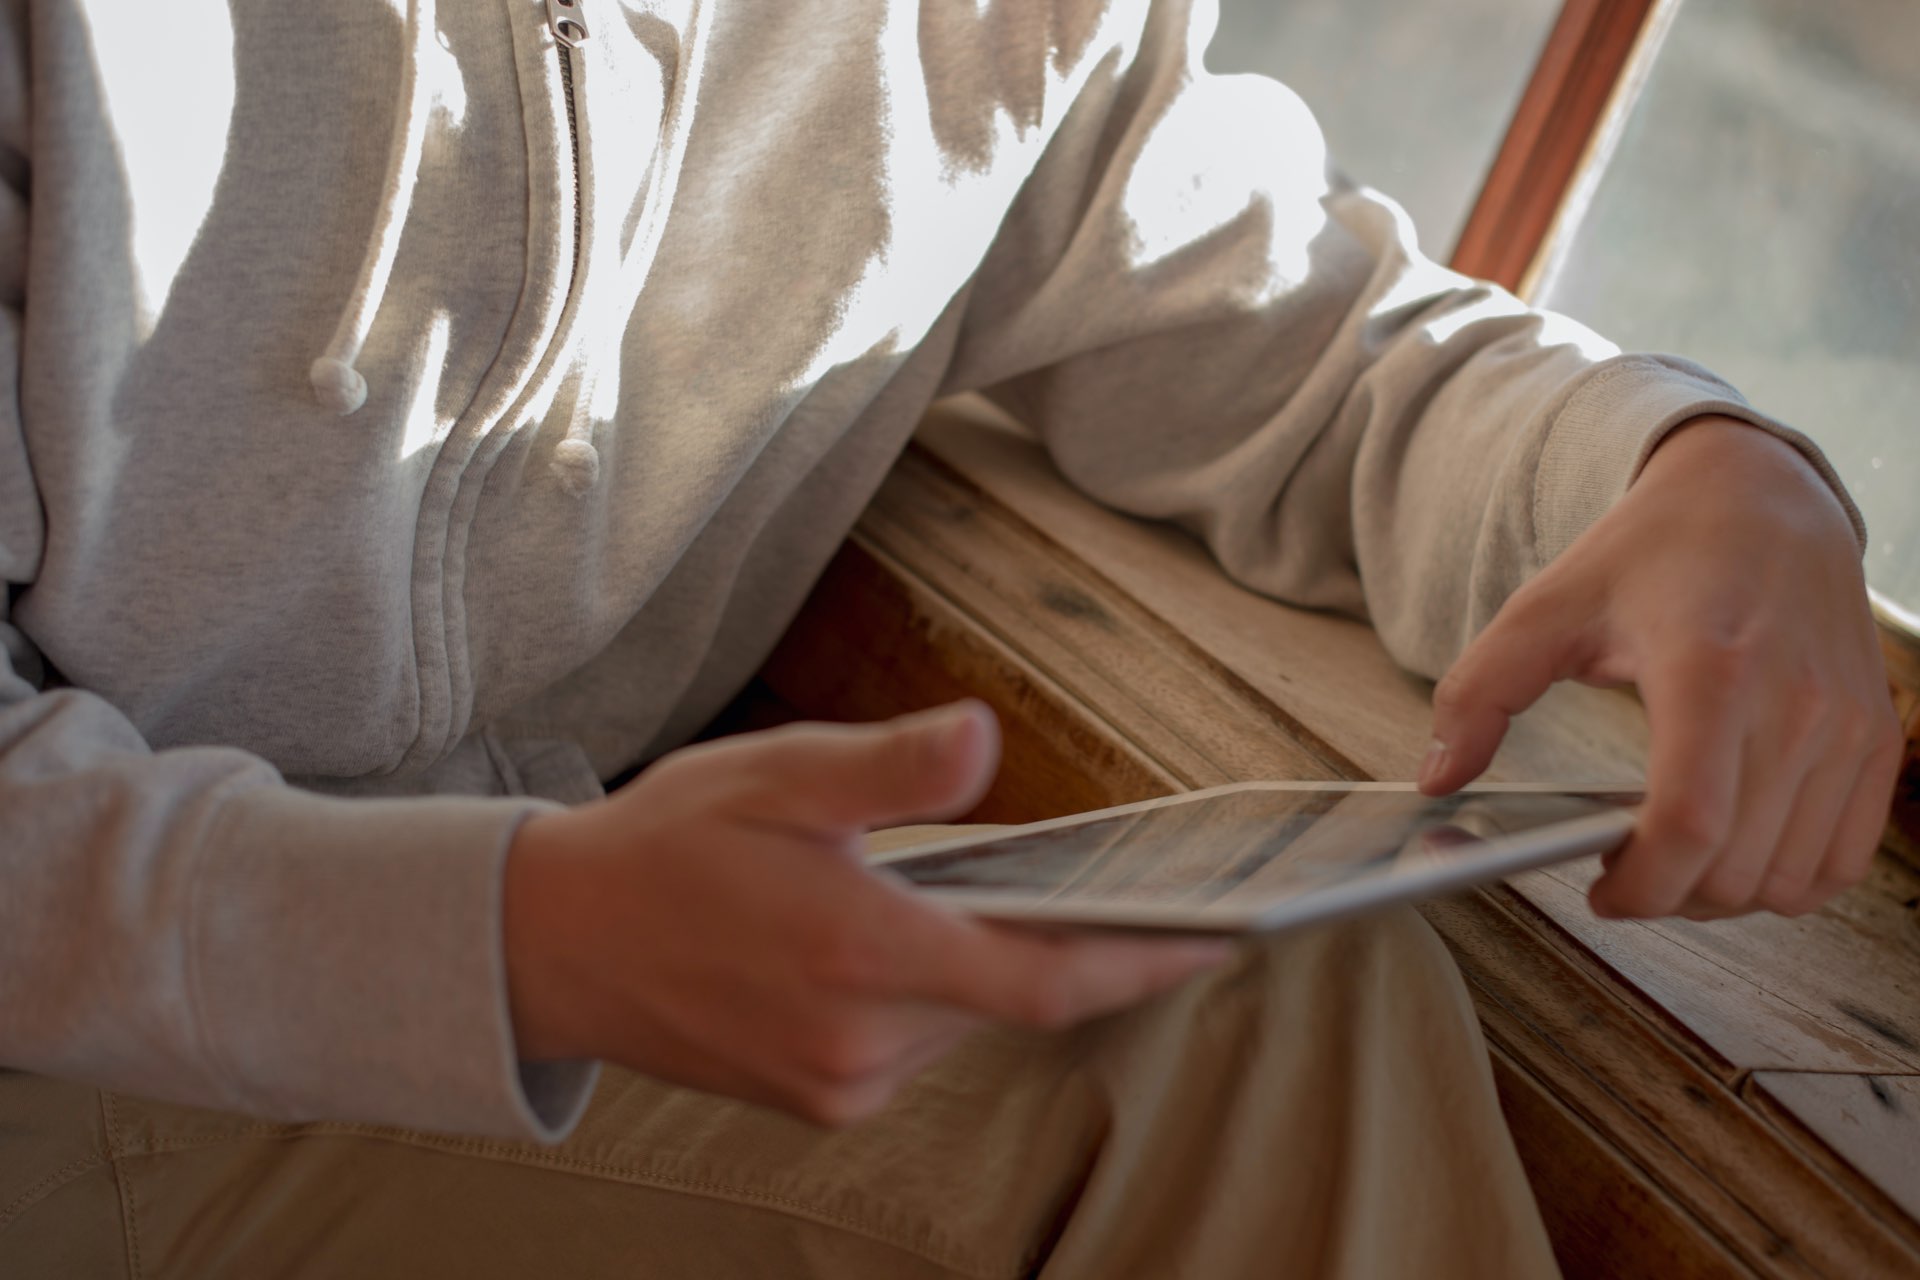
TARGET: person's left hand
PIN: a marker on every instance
(1726, 584)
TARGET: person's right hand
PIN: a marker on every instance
(713, 924)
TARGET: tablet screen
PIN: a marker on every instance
(1239, 852)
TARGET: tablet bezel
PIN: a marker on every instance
(1492, 860)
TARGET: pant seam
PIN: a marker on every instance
(46, 1186)
(129, 1222)
(482, 1149)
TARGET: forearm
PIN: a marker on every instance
(1204, 328)
(181, 924)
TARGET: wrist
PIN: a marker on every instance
(1715, 448)
(1717, 430)
(534, 918)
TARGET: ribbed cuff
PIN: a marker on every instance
(347, 963)
(1614, 421)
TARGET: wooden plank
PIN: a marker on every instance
(873, 641)
(1690, 1131)
(1314, 669)
(1605, 1216)
(1091, 636)
(1834, 991)
(1600, 1066)
(1574, 88)
(1871, 1122)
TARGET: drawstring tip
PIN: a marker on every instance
(337, 385)
(577, 464)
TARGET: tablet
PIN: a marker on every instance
(1262, 855)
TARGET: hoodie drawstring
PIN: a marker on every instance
(337, 385)
(576, 461)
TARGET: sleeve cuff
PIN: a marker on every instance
(346, 963)
(1615, 419)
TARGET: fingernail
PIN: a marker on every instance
(1435, 764)
(962, 719)
(959, 727)
(942, 723)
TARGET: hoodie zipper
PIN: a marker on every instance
(568, 24)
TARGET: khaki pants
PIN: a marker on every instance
(1320, 1108)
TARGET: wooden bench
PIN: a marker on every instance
(1740, 1098)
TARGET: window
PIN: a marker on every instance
(1761, 213)
(1413, 98)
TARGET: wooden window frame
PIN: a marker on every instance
(1580, 91)
(1563, 133)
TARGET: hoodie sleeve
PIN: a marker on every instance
(182, 925)
(1205, 327)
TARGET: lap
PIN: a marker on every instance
(1258, 1104)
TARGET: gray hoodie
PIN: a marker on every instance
(408, 418)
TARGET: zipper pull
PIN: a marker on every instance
(564, 17)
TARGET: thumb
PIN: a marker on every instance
(1533, 641)
(926, 766)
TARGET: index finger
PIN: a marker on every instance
(1534, 640)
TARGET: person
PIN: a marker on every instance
(413, 417)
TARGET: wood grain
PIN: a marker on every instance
(874, 641)
(1606, 1217)
(1091, 635)
(1871, 1123)
(1732, 1019)
(1835, 991)
(1313, 669)
(1685, 1127)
